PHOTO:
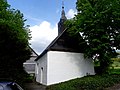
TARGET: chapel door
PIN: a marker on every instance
(41, 76)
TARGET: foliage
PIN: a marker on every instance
(87, 83)
(29, 79)
(114, 71)
(14, 36)
(116, 59)
(98, 24)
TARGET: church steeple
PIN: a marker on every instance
(62, 20)
(63, 12)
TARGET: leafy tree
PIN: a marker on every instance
(98, 22)
(14, 36)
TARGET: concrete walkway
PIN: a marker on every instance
(115, 87)
(34, 86)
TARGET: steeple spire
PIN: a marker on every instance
(62, 20)
(63, 12)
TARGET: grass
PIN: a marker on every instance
(97, 82)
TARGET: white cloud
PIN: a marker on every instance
(42, 35)
(71, 13)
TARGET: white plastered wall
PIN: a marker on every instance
(63, 66)
(41, 70)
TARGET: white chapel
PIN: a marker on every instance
(63, 59)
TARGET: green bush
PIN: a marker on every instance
(96, 82)
(29, 79)
(114, 71)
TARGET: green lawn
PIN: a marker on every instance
(97, 82)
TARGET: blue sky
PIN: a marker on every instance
(36, 11)
(43, 16)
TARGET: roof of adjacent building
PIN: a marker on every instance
(33, 52)
(33, 56)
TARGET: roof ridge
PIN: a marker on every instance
(50, 45)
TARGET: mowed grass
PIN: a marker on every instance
(96, 82)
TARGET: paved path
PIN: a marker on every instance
(34, 86)
(115, 87)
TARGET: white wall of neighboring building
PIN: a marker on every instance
(62, 66)
(30, 64)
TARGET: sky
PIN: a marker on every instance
(43, 17)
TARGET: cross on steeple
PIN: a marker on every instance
(62, 5)
(62, 20)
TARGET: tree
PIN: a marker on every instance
(14, 45)
(98, 23)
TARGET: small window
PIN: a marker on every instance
(41, 68)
